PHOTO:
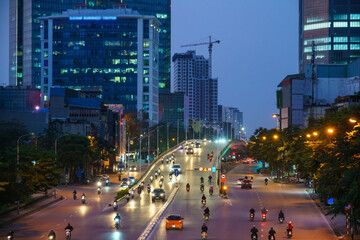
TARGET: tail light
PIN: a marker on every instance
(264, 215)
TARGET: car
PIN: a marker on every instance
(239, 181)
(174, 221)
(125, 183)
(158, 194)
(176, 167)
(197, 145)
(132, 180)
(246, 184)
(132, 168)
(190, 151)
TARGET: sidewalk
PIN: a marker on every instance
(33, 207)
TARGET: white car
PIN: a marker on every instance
(176, 167)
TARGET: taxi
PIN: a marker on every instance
(174, 221)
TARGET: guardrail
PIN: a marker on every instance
(156, 160)
(158, 216)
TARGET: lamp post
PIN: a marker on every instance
(167, 133)
(277, 116)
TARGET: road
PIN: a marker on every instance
(229, 218)
(94, 220)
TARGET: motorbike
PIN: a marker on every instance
(252, 217)
(156, 175)
(264, 217)
(142, 185)
(159, 171)
(211, 191)
(133, 193)
(148, 190)
(99, 190)
(203, 235)
(206, 216)
(202, 188)
(161, 178)
(67, 234)
(254, 237)
(160, 184)
(271, 237)
(117, 223)
(201, 180)
(128, 197)
(115, 206)
(74, 196)
(266, 182)
(187, 188)
(281, 219)
(151, 178)
(9, 237)
(83, 199)
(51, 237)
(289, 233)
(203, 201)
(162, 160)
(107, 182)
(170, 177)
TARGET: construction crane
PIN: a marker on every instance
(210, 51)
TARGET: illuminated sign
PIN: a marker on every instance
(93, 18)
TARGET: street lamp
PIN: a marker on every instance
(330, 130)
(276, 136)
(264, 138)
(353, 120)
(277, 116)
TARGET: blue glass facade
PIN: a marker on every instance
(24, 51)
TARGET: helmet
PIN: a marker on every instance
(253, 225)
(290, 222)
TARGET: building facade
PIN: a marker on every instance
(334, 28)
(300, 96)
(191, 76)
(233, 116)
(173, 107)
(25, 44)
(112, 50)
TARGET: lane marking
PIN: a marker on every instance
(228, 202)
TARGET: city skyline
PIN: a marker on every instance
(235, 55)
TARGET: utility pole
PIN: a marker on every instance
(177, 142)
(149, 148)
(167, 142)
(157, 140)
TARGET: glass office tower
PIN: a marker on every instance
(334, 28)
(24, 50)
(113, 50)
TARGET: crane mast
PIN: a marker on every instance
(210, 52)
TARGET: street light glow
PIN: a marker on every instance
(315, 133)
(275, 115)
(353, 120)
(276, 136)
(330, 130)
(264, 138)
(308, 135)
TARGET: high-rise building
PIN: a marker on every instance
(334, 28)
(113, 50)
(24, 50)
(173, 107)
(191, 76)
(233, 116)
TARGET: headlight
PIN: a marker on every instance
(153, 194)
(162, 194)
(99, 183)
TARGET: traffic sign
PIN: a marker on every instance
(209, 169)
(223, 176)
(176, 172)
(213, 169)
(330, 201)
(348, 207)
(223, 180)
(201, 169)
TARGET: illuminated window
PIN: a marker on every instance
(323, 48)
(340, 47)
(146, 54)
(355, 16)
(317, 41)
(314, 19)
(340, 17)
(46, 54)
(307, 49)
(355, 39)
(133, 61)
(161, 85)
(340, 39)
(340, 24)
(161, 16)
(146, 44)
(117, 79)
(146, 98)
(133, 53)
(354, 46)
(45, 97)
(354, 24)
(317, 26)
(19, 75)
(45, 72)
(124, 61)
(146, 71)
(116, 61)
(146, 80)
(146, 107)
(46, 63)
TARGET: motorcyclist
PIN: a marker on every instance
(148, 188)
(264, 211)
(151, 178)
(210, 177)
(10, 233)
(252, 211)
(117, 217)
(254, 231)
(206, 211)
(139, 190)
(188, 186)
(74, 194)
(272, 233)
(203, 198)
(266, 180)
(69, 227)
(212, 153)
(204, 228)
(202, 180)
(52, 234)
(211, 190)
(289, 227)
(202, 187)
(208, 156)
(281, 215)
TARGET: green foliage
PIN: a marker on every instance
(121, 193)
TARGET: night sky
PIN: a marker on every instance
(259, 47)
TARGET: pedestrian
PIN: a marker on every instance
(119, 177)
